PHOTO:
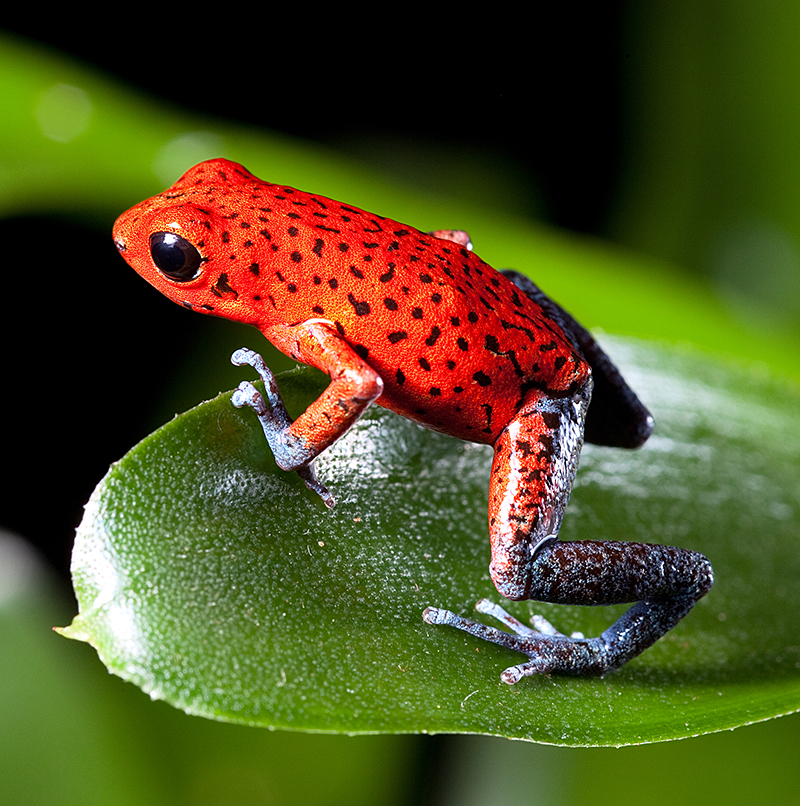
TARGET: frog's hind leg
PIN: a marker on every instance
(535, 461)
(665, 582)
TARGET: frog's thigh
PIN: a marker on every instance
(534, 466)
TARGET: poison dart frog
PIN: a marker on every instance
(418, 323)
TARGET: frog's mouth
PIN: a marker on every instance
(194, 307)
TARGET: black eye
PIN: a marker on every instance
(175, 256)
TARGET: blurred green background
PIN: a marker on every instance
(651, 151)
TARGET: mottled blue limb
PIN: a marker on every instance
(665, 583)
(547, 653)
(540, 624)
(289, 451)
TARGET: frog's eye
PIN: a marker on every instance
(175, 256)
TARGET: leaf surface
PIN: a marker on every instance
(214, 581)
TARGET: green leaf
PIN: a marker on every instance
(218, 583)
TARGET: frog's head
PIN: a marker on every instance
(188, 243)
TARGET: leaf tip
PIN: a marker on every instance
(74, 631)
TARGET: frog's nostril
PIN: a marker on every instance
(120, 244)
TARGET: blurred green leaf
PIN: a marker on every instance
(71, 734)
(216, 582)
(711, 159)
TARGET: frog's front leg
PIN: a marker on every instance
(354, 385)
(534, 465)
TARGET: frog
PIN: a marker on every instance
(416, 322)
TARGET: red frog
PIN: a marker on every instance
(418, 323)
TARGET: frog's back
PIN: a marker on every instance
(457, 344)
